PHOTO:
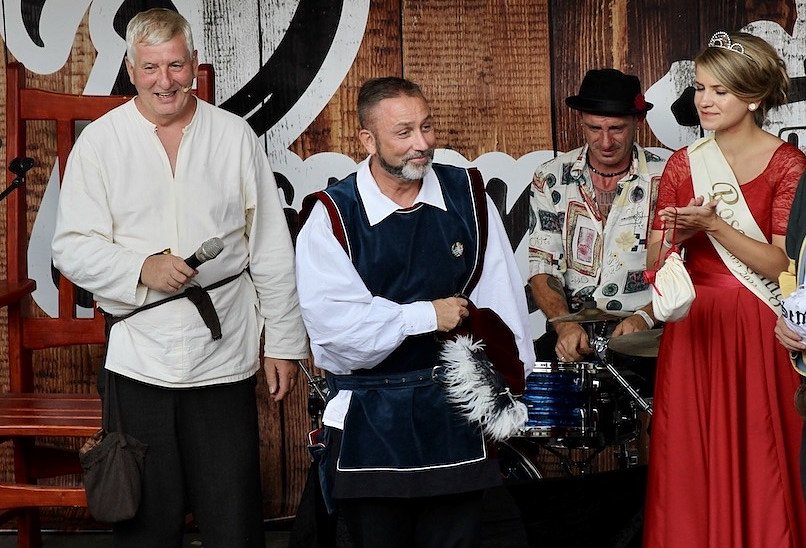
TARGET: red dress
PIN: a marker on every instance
(725, 436)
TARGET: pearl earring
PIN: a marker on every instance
(752, 107)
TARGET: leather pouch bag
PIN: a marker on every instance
(112, 466)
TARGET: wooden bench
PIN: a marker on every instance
(28, 414)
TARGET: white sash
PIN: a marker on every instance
(712, 177)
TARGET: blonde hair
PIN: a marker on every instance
(756, 75)
(156, 26)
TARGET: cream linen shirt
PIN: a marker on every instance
(120, 203)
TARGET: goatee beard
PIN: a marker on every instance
(407, 171)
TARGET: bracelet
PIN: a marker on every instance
(666, 243)
(647, 318)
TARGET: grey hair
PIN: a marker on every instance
(156, 26)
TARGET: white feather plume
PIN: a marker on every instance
(477, 390)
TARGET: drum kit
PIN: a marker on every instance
(577, 410)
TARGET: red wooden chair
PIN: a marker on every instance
(27, 414)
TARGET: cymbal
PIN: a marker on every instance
(641, 344)
(592, 315)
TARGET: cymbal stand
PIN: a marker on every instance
(599, 345)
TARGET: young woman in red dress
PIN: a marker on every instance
(723, 469)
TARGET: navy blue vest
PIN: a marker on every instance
(417, 254)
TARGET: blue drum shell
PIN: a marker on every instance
(557, 396)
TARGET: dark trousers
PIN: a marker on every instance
(202, 458)
(448, 521)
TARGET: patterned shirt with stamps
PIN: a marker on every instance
(569, 239)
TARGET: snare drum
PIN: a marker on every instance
(558, 399)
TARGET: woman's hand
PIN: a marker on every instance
(684, 222)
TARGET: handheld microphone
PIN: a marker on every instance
(208, 250)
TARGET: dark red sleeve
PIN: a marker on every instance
(675, 185)
(786, 168)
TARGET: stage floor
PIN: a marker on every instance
(274, 539)
(600, 510)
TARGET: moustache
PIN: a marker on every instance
(428, 154)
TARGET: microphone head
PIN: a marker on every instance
(210, 249)
(20, 165)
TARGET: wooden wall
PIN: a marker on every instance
(497, 74)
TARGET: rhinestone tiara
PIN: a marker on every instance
(722, 40)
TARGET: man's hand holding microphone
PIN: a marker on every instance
(168, 273)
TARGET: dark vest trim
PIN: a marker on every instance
(480, 208)
(332, 211)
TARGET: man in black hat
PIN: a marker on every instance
(590, 212)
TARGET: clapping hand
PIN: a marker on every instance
(685, 222)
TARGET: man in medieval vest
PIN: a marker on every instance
(389, 259)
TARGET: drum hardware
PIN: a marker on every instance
(317, 395)
(529, 459)
(575, 467)
(645, 406)
(627, 457)
(600, 344)
(515, 464)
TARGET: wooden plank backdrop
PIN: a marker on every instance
(497, 74)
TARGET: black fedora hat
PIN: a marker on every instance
(609, 92)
